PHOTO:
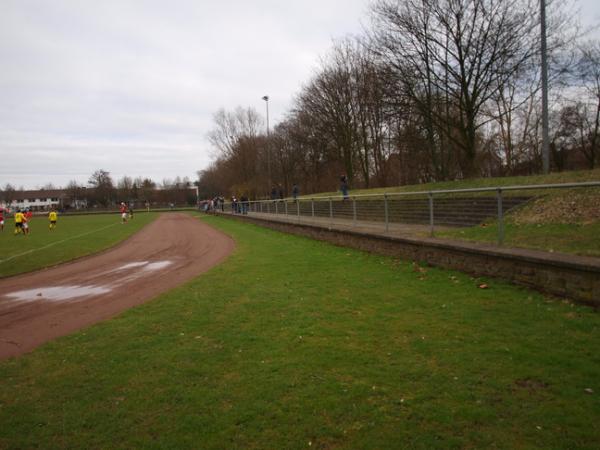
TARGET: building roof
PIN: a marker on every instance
(39, 193)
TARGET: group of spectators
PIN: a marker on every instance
(241, 205)
(214, 204)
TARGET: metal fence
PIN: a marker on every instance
(403, 212)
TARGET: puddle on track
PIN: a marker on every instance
(157, 265)
(131, 265)
(64, 293)
(143, 265)
(57, 293)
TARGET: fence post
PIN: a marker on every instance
(500, 217)
(312, 208)
(430, 214)
(330, 212)
(385, 208)
(285, 206)
(276, 207)
(354, 211)
(298, 210)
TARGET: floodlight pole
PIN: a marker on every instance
(266, 99)
(545, 134)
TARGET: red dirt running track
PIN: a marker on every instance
(40, 306)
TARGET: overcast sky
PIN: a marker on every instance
(131, 86)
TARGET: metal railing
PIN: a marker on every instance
(403, 212)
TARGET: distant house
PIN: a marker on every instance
(43, 199)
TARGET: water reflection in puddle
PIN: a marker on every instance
(131, 265)
(157, 265)
(58, 293)
(131, 271)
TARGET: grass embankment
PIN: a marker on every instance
(74, 236)
(294, 343)
(574, 238)
(558, 220)
(576, 176)
(565, 221)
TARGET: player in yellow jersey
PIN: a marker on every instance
(19, 218)
(52, 217)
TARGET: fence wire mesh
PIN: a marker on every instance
(407, 212)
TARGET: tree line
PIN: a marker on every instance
(432, 90)
(103, 191)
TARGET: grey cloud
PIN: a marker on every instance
(131, 86)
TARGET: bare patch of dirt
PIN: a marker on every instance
(531, 384)
(580, 206)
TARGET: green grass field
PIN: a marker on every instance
(293, 344)
(74, 236)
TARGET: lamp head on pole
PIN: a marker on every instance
(266, 98)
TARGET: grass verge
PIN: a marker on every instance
(577, 239)
(74, 236)
(294, 343)
(575, 176)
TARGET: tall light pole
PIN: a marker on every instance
(545, 136)
(266, 99)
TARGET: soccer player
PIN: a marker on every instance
(19, 217)
(52, 216)
(27, 215)
(123, 213)
(1, 219)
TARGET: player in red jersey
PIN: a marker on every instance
(123, 209)
(28, 216)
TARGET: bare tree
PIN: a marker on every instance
(230, 126)
(103, 187)
(589, 74)
(238, 143)
(75, 192)
(125, 188)
(462, 51)
(8, 193)
(328, 99)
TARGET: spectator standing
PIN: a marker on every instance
(344, 186)
(244, 204)
(295, 191)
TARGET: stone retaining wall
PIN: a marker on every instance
(573, 277)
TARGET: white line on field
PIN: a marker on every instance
(57, 242)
